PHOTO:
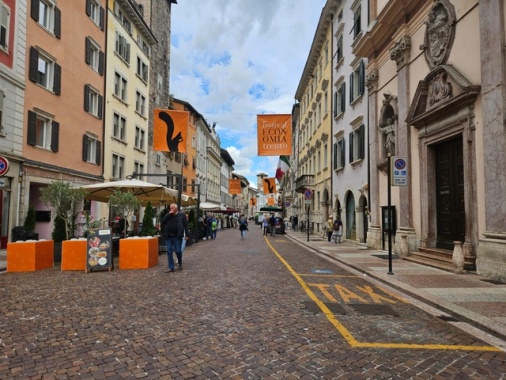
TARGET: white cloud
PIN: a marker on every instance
(232, 60)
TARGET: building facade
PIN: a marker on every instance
(441, 110)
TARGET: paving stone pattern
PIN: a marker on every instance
(234, 312)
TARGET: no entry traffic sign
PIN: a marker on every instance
(4, 165)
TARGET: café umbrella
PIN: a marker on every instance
(145, 192)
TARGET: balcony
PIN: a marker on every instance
(303, 182)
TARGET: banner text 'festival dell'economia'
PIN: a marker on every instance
(274, 135)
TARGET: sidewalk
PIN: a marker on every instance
(466, 297)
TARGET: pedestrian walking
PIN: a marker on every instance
(272, 223)
(337, 230)
(243, 226)
(295, 223)
(175, 230)
(214, 228)
(330, 228)
(265, 224)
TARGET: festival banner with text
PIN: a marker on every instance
(234, 186)
(170, 130)
(274, 134)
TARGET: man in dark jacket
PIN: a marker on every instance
(176, 229)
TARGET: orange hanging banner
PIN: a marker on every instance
(269, 185)
(252, 201)
(270, 201)
(170, 130)
(234, 186)
(274, 134)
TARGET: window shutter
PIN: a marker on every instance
(335, 156)
(57, 79)
(361, 79)
(86, 141)
(87, 49)
(343, 152)
(351, 87)
(343, 98)
(101, 60)
(32, 129)
(335, 103)
(55, 133)
(98, 153)
(361, 142)
(350, 143)
(34, 10)
(34, 62)
(102, 17)
(100, 103)
(57, 23)
(88, 8)
(86, 98)
(127, 52)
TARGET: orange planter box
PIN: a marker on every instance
(29, 256)
(73, 254)
(138, 253)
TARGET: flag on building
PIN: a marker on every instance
(283, 167)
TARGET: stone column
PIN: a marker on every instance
(400, 53)
(374, 230)
(491, 256)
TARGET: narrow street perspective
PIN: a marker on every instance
(254, 308)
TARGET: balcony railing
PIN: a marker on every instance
(303, 182)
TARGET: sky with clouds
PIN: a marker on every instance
(234, 59)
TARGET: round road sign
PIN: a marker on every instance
(4, 165)
(308, 194)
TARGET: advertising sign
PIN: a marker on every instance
(234, 186)
(274, 135)
(170, 130)
(98, 250)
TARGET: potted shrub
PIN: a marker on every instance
(29, 225)
(148, 228)
(65, 200)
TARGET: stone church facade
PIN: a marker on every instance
(436, 87)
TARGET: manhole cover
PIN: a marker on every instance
(322, 271)
(373, 309)
(335, 308)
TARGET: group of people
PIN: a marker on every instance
(334, 230)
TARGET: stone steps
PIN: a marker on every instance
(439, 258)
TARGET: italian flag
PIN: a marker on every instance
(283, 167)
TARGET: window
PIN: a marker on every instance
(357, 144)
(122, 47)
(357, 22)
(339, 49)
(47, 15)
(325, 156)
(2, 130)
(339, 154)
(158, 159)
(118, 166)
(95, 12)
(120, 86)
(143, 44)
(119, 127)
(44, 71)
(91, 150)
(122, 18)
(93, 101)
(357, 82)
(5, 13)
(140, 103)
(93, 56)
(43, 131)
(139, 138)
(340, 100)
(142, 70)
(138, 167)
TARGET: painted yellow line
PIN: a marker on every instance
(349, 337)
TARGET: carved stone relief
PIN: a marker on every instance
(400, 53)
(439, 33)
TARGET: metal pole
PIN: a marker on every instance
(389, 194)
(307, 225)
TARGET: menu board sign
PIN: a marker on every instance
(98, 250)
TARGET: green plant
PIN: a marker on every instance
(65, 200)
(148, 228)
(59, 230)
(30, 220)
(125, 202)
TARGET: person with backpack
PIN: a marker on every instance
(174, 231)
(243, 226)
(337, 230)
(329, 227)
(214, 227)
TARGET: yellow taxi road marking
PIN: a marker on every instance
(349, 337)
(346, 294)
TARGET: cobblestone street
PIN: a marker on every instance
(259, 308)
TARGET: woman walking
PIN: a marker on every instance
(243, 226)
